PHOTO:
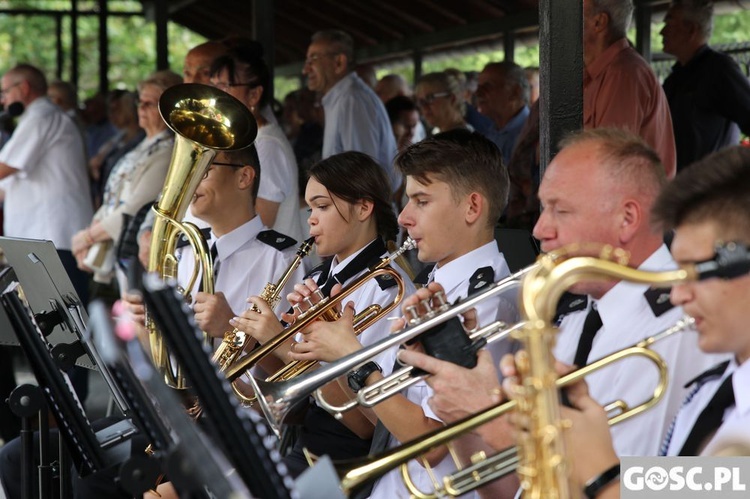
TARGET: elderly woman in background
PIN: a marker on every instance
(441, 103)
(123, 114)
(135, 180)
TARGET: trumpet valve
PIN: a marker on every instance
(442, 301)
(429, 310)
(478, 457)
(412, 315)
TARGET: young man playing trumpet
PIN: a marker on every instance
(457, 188)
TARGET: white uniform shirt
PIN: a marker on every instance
(455, 278)
(48, 198)
(627, 318)
(279, 179)
(246, 266)
(736, 426)
(356, 120)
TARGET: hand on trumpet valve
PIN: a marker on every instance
(258, 320)
(305, 295)
(328, 340)
(425, 303)
(212, 313)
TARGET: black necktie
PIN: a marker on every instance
(370, 255)
(215, 259)
(591, 325)
(216, 265)
(710, 419)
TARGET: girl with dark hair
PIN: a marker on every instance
(351, 219)
(243, 74)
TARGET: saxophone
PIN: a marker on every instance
(235, 340)
(543, 466)
(205, 121)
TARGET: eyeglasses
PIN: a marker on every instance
(224, 86)
(430, 98)
(314, 57)
(218, 163)
(145, 104)
(6, 90)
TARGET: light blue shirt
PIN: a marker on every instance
(506, 137)
(356, 120)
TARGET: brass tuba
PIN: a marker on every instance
(205, 121)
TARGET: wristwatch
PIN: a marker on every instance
(356, 378)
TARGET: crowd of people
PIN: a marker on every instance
(445, 165)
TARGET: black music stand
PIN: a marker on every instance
(254, 457)
(190, 461)
(89, 451)
(50, 295)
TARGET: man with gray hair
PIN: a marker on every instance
(503, 96)
(708, 95)
(355, 118)
(619, 88)
(43, 170)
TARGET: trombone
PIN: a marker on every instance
(277, 399)
(324, 309)
(487, 469)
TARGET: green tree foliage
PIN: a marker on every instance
(132, 42)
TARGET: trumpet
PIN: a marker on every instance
(730, 261)
(277, 399)
(486, 469)
(235, 340)
(405, 377)
(324, 309)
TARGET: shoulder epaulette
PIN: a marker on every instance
(385, 281)
(183, 241)
(568, 304)
(480, 279)
(658, 300)
(276, 239)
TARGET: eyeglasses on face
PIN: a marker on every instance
(145, 104)
(314, 57)
(218, 163)
(6, 90)
(430, 98)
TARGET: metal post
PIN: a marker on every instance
(263, 23)
(509, 46)
(60, 52)
(161, 17)
(560, 74)
(103, 47)
(74, 42)
(643, 30)
(417, 57)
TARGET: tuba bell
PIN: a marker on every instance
(205, 121)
